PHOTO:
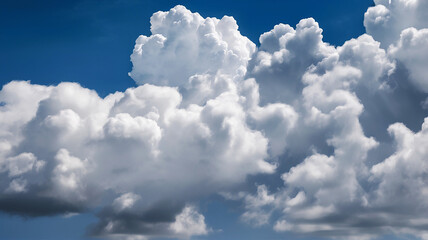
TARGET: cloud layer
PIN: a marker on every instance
(343, 126)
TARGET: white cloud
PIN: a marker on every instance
(68, 172)
(283, 57)
(156, 142)
(211, 111)
(401, 28)
(387, 19)
(17, 186)
(139, 141)
(335, 191)
(188, 223)
(255, 213)
(364, 53)
(401, 177)
(411, 50)
(20, 164)
(184, 44)
(125, 201)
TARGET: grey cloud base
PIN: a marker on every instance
(213, 110)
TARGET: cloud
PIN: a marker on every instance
(340, 189)
(135, 150)
(388, 18)
(339, 128)
(395, 203)
(164, 219)
(202, 45)
(188, 223)
(283, 57)
(141, 139)
(409, 50)
(255, 213)
(21, 164)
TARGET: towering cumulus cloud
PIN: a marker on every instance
(344, 124)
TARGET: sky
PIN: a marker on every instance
(217, 120)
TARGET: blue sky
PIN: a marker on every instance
(90, 43)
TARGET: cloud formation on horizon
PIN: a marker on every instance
(212, 109)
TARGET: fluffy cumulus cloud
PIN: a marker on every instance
(388, 18)
(353, 185)
(193, 128)
(401, 27)
(202, 46)
(342, 127)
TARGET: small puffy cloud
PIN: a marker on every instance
(188, 223)
(127, 200)
(256, 205)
